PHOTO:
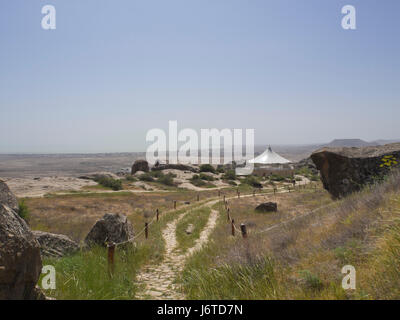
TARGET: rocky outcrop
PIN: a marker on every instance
(55, 245)
(346, 170)
(178, 166)
(140, 165)
(20, 262)
(267, 207)
(111, 228)
(99, 175)
(7, 197)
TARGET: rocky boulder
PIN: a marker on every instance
(111, 228)
(267, 207)
(20, 261)
(346, 170)
(7, 197)
(140, 165)
(55, 245)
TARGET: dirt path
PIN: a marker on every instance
(158, 280)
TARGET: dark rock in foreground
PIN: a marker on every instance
(20, 261)
(7, 197)
(346, 170)
(267, 207)
(111, 228)
(140, 165)
(55, 245)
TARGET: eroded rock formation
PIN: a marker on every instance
(346, 170)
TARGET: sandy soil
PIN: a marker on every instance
(37, 187)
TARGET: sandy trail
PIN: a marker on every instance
(159, 280)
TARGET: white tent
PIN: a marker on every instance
(269, 157)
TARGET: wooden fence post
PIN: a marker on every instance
(174, 204)
(229, 214)
(146, 230)
(233, 227)
(111, 250)
(157, 213)
(244, 230)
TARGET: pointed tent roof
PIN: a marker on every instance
(269, 157)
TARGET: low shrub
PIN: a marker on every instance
(207, 168)
(23, 211)
(229, 175)
(114, 184)
(146, 177)
(206, 177)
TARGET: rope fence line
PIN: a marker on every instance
(242, 230)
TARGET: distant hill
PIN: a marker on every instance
(383, 142)
(350, 143)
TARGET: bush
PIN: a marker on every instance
(229, 175)
(157, 174)
(206, 177)
(146, 177)
(252, 181)
(130, 178)
(23, 211)
(114, 184)
(207, 168)
(314, 177)
(220, 170)
(276, 177)
(167, 179)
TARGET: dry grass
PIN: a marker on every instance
(302, 258)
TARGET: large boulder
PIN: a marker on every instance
(113, 227)
(7, 197)
(345, 170)
(55, 245)
(267, 207)
(20, 261)
(140, 165)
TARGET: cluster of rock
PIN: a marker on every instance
(21, 249)
(346, 170)
(20, 261)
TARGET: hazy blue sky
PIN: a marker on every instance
(112, 70)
